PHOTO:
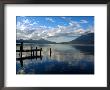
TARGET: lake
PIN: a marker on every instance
(63, 59)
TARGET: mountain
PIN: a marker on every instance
(84, 39)
(40, 41)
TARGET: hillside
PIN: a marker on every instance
(40, 41)
(84, 39)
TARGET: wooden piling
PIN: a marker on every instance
(50, 52)
(36, 51)
(31, 51)
(40, 51)
(21, 49)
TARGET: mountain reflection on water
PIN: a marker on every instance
(64, 59)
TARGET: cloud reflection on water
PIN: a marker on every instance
(65, 59)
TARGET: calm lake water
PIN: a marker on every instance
(64, 59)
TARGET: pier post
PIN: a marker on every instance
(31, 51)
(50, 52)
(21, 49)
(40, 51)
(36, 51)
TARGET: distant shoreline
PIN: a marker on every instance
(59, 43)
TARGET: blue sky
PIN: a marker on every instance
(53, 28)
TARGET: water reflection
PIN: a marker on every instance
(61, 59)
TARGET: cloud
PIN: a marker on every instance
(83, 21)
(49, 33)
(20, 26)
(26, 24)
(32, 30)
(72, 24)
(49, 19)
(38, 21)
(79, 31)
(43, 27)
(90, 29)
(26, 21)
(66, 19)
(44, 31)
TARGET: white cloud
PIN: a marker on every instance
(79, 31)
(90, 29)
(72, 24)
(43, 27)
(26, 24)
(66, 19)
(44, 32)
(83, 21)
(22, 16)
(63, 17)
(22, 27)
(26, 21)
(29, 30)
(49, 19)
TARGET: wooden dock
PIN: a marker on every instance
(29, 50)
(33, 52)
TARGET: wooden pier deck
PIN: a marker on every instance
(33, 52)
(29, 50)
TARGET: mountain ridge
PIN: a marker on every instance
(40, 41)
(83, 39)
